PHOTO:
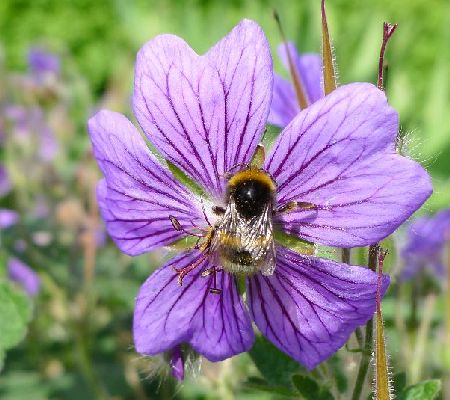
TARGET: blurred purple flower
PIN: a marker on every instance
(308, 68)
(24, 276)
(41, 207)
(206, 115)
(5, 183)
(8, 218)
(29, 125)
(42, 62)
(48, 146)
(427, 237)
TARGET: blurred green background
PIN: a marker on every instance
(97, 42)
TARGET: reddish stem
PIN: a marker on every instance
(388, 31)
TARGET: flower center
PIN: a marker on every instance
(242, 240)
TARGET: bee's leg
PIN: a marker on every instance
(213, 271)
(295, 205)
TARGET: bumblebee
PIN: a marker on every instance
(243, 237)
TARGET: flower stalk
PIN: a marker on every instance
(382, 385)
(329, 73)
(368, 338)
(296, 81)
(388, 31)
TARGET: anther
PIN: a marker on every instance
(177, 226)
(175, 223)
(182, 272)
(212, 271)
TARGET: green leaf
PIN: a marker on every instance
(339, 373)
(275, 366)
(185, 243)
(294, 243)
(2, 359)
(399, 382)
(185, 180)
(310, 389)
(261, 384)
(15, 313)
(426, 390)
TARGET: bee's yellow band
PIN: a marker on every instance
(252, 174)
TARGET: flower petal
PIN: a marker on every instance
(339, 154)
(244, 64)
(284, 105)
(310, 306)
(309, 68)
(24, 276)
(138, 195)
(216, 326)
(205, 113)
(177, 363)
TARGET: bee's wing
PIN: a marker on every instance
(261, 228)
(268, 266)
(254, 236)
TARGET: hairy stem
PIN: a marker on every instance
(368, 339)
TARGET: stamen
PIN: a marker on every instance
(204, 212)
(177, 226)
(175, 223)
(294, 205)
(213, 271)
(182, 272)
(296, 80)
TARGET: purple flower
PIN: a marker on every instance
(24, 276)
(42, 62)
(8, 218)
(29, 126)
(308, 70)
(427, 237)
(177, 363)
(5, 182)
(206, 115)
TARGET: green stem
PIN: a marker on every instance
(346, 256)
(359, 336)
(367, 350)
(84, 356)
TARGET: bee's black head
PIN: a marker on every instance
(251, 197)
